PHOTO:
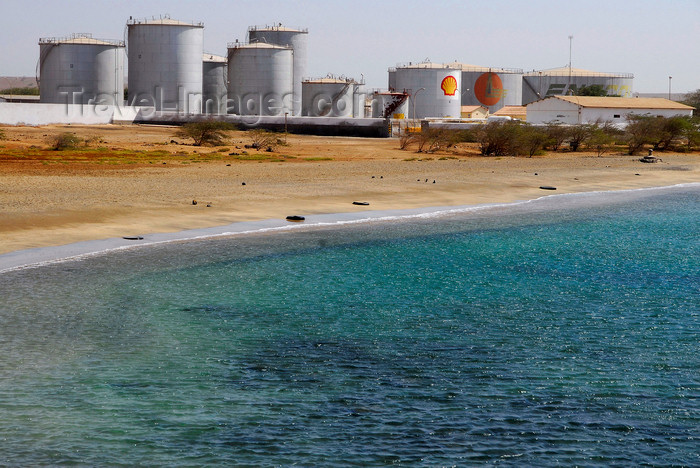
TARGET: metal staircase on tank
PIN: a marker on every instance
(396, 102)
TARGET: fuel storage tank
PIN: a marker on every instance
(563, 81)
(80, 70)
(491, 87)
(214, 84)
(328, 97)
(435, 89)
(297, 39)
(165, 64)
(390, 105)
(260, 79)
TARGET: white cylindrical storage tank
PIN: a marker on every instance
(392, 79)
(260, 79)
(435, 89)
(390, 105)
(491, 87)
(564, 81)
(214, 84)
(297, 39)
(165, 64)
(359, 100)
(81, 70)
(328, 97)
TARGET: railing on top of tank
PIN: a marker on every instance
(277, 27)
(426, 65)
(238, 44)
(330, 76)
(389, 91)
(455, 66)
(77, 37)
(164, 20)
(574, 72)
(476, 68)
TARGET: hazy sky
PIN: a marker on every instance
(651, 39)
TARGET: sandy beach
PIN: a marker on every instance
(133, 180)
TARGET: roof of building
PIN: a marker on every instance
(512, 110)
(473, 108)
(213, 58)
(564, 71)
(621, 102)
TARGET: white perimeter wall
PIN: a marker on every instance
(13, 113)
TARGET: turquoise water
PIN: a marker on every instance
(560, 332)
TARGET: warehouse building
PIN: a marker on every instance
(589, 109)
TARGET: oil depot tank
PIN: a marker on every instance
(214, 84)
(359, 102)
(562, 81)
(165, 64)
(328, 97)
(260, 79)
(297, 39)
(491, 87)
(435, 88)
(80, 69)
(390, 105)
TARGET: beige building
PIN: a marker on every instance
(474, 112)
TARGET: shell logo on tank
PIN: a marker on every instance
(488, 89)
(449, 85)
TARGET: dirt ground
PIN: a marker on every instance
(136, 179)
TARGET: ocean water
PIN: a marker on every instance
(564, 331)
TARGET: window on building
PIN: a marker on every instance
(616, 116)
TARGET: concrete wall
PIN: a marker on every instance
(552, 110)
(46, 114)
(12, 113)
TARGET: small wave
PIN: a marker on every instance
(36, 258)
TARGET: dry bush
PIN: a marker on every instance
(264, 139)
(65, 141)
(206, 133)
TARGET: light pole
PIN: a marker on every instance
(568, 84)
(669, 87)
(414, 103)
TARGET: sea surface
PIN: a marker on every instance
(559, 332)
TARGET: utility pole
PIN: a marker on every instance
(568, 83)
(669, 87)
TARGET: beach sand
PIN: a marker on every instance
(135, 180)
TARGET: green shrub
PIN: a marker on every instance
(65, 141)
(21, 91)
(206, 133)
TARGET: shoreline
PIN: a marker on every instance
(42, 256)
(140, 180)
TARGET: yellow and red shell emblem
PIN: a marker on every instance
(449, 85)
